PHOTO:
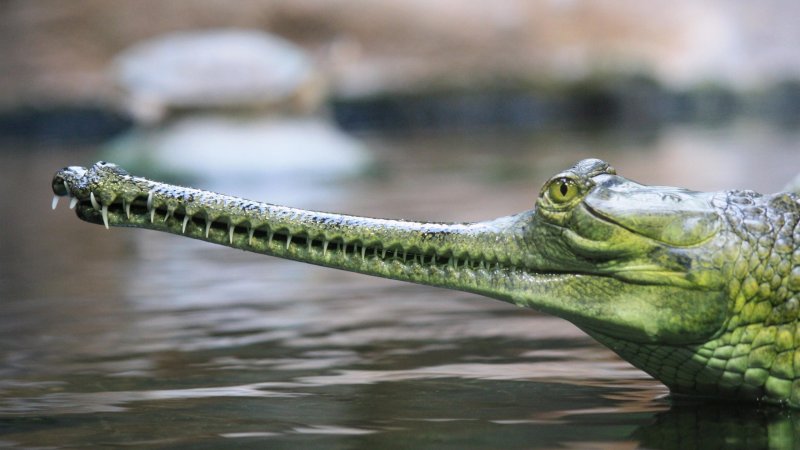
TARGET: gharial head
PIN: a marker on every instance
(625, 260)
(615, 257)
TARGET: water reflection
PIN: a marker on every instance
(695, 425)
(131, 337)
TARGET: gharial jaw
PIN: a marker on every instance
(478, 257)
(569, 262)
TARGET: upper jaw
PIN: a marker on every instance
(82, 184)
(67, 182)
(67, 179)
(108, 195)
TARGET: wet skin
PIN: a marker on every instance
(700, 290)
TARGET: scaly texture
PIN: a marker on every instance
(700, 290)
(756, 354)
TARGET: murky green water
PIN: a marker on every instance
(133, 338)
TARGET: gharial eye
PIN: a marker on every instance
(562, 190)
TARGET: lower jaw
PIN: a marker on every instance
(394, 263)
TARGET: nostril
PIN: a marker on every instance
(59, 185)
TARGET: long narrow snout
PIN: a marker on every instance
(468, 256)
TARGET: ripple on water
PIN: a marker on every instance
(110, 401)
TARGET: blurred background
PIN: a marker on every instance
(511, 64)
(433, 110)
(666, 80)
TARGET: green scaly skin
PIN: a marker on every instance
(700, 290)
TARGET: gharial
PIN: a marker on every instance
(700, 290)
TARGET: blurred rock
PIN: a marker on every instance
(245, 154)
(229, 108)
(55, 51)
(227, 70)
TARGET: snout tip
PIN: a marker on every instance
(65, 178)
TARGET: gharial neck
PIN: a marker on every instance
(478, 257)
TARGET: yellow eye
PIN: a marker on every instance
(562, 190)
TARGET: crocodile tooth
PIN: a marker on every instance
(250, 233)
(363, 251)
(127, 206)
(104, 213)
(383, 254)
(324, 247)
(185, 221)
(55, 201)
(150, 201)
(270, 235)
(152, 215)
(72, 202)
(230, 233)
(69, 194)
(208, 226)
(95, 205)
(308, 242)
(288, 240)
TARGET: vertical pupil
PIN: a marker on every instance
(564, 188)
